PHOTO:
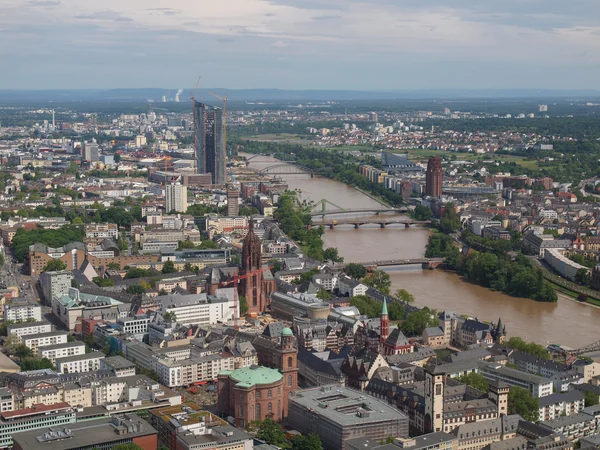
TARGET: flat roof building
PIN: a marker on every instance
(101, 433)
(338, 414)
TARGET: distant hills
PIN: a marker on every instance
(279, 95)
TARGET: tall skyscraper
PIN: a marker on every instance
(232, 202)
(176, 198)
(90, 152)
(251, 287)
(208, 141)
(434, 177)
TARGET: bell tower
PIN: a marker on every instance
(435, 380)
(288, 365)
(384, 329)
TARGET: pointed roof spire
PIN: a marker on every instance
(384, 309)
(251, 225)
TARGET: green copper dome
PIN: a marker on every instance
(250, 376)
(286, 332)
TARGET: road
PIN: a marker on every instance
(12, 275)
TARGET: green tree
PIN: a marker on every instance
(136, 273)
(135, 289)
(22, 351)
(54, 265)
(378, 279)
(272, 433)
(36, 364)
(126, 447)
(583, 277)
(170, 316)
(103, 282)
(169, 267)
(528, 347)
(404, 296)
(307, 442)
(114, 266)
(323, 294)
(423, 212)
(591, 399)
(355, 270)
(331, 254)
(475, 380)
(417, 321)
(520, 401)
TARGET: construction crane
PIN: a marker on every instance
(193, 96)
(224, 100)
(235, 280)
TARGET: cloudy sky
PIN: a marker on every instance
(300, 44)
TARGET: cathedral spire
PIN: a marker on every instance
(384, 309)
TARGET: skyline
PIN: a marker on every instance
(355, 45)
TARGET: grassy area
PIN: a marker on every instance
(573, 295)
(418, 153)
(279, 137)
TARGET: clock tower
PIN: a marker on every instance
(435, 381)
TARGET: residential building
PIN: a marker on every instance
(338, 414)
(176, 198)
(72, 308)
(120, 366)
(563, 265)
(64, 350)
(538, 244)
(34, 341)
(561, 404)
(102, 433)
(55, 284)
(351, 287)
(25, 329)
(576, 426)
(209, 145)
(536, 385)
(22, 311)
(87, 362)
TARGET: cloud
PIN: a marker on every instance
(42, 3)
(105, 15)
(430, 43)
(327, 17)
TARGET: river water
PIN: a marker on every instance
(566, 322)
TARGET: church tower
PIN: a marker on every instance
(498, 393)
(288, 365)
(251, 286)
(384, 329)
(435, 380)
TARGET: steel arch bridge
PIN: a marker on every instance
(289, 168)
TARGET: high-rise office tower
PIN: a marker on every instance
(90, 152)
(176, 198)
(208, 141)
(232, 202)
(434, 177)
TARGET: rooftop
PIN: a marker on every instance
(87, 434)
(344, 406)
(253, 375)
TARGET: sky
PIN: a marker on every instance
(300, 44)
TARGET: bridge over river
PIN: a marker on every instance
(358, 222)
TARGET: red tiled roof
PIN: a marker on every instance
(35, 409)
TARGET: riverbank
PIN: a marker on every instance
(441, 290)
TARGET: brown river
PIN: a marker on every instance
(567, 322)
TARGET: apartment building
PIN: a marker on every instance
(55, 284)
(199, 309)
(87, 362)
(26, 329)
(561, 404)
(63, 350)
(22, 311)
